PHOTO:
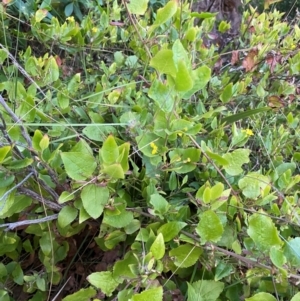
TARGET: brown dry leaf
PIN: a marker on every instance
(275, 102)
(58, 60)
(250, 60)
(234, 57)
(272, 60)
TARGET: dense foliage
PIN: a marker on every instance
(139, 161)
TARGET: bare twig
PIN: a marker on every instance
(34, 195)
(11, 226)
(16, 119)
(5, 195)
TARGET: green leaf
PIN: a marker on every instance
(51, 71)
(253, 184)
(46, 243)
(185, 255)
(66, 216)
(114, 170)
(216, 191)
(223, 270)
(94, 198)
(118, 221)
(114, 238)
(163, 62)
(217, 158)
(183, 80)
(158, 247)
(65, 197)
(3, 152)
(4, 296)
(205, 290)
(79, 161)
(277, 257)
(235, 160)
(165, 13)
(210, 227)
(162, 95)
(261, 297)
(121, 267)
(159, 203)
(263, 232)
(138, 7)
(103, 281)
(150, 294)
(170, 230)
(124, 153)
(109, 152)
(81, 295)
(99, 133)
(200, 76)
(291, 251)
(18, 164)
(227, 93)
(243, 115)
(296, 297)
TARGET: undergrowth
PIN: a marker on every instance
(137, 163)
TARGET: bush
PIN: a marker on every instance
(137, 164)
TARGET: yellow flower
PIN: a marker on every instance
(248, 132)
(154, 148)
(188, 160)
(94, 29)
(71, 19)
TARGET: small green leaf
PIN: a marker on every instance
(118, 221)
(65, 197)
(163, 62)
(183, 80)
(206, 290)
(263, 232)
(103, 281)
(210, 227)
(222, 270)
(3, 152)
(114, 238)
(150, 294)
(277, 257)
(227, 93)
(165, 13)
(18, 164)
(261, 297)
(158, 247)
(253, 184)
(109, 151)
(138, 7)
(46, 243)
(124, 153)
(69, 9)
(291, 251)
(235, 160)
(170, 230)
(159, 203)
(216, 191)
(296, 297)
(66, 216)
(94, 198)
(185, 255)
(206, 195)
(83, 294)
(79, 161)
(114, 170)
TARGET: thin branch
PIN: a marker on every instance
(37, 197)
(11, 226)
(16, 119)
(5, 195)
